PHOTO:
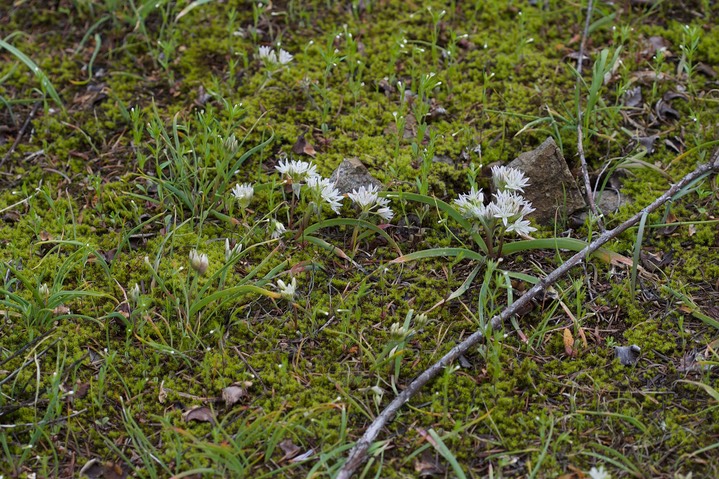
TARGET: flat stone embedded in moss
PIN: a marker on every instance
(351, 174)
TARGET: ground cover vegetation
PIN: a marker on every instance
(185, 292)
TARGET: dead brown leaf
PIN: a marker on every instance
(569, 343)
(96, 469)
(289, 448)
(199, 414)
(162, 395)
(62, 309)
(233, 394)
(428, 466)
(303, 147)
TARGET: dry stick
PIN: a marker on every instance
(580, 133)
(358, 453)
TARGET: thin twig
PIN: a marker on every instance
(20, 133)
(358, 453)
(43, 422)
(242, 357)
(580, 133)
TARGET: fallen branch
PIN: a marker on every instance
(358, 453)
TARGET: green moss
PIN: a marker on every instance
(313, 361)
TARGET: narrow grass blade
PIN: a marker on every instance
(442, 448)
(635, 256)
(439, 252)
(247, 154)
(190, 7)
(632, 420)
(527, 278)
(353, 222)
(327, 246)
(461, 290)
(445, 208)
(710, 390)
(615, 457)
(46, 84)
(693, 308)
(570, 244)
(230, 293)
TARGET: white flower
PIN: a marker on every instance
(267, 54)
(385, 213)
(296, 172)
(367, 198)
(287, 290)
(481, 212)
(467, 202)
(243, 193)
(231, 144)
(521, 227)
(135, 294)
(278, 229)
(296, 168)
(399, 332)
(324, 189)
(506, 178)
(600, 473)
(231, 252)
(509, 206)
(284, 57)
(199, 262)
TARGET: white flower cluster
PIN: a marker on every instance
(367, 198)
(199, 262)
(244, 194)
(600, 473)
(301, 173)
(296, 172)
(287, 290)
(506, 211)
(274, 58)
(322, 189)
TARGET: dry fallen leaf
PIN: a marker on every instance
(427, 465)
(96, 469)
(289, 448)
(233, 394)
(62, 309)
(304, 457)
(162, 395)
(301, 147)
(569, 343)
(633, 97)
(199, 414)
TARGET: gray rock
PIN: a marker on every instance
(628, 355)
(608, 201)
(551, 185)
(351, 174)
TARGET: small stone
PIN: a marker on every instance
(351, 174)
(628, 355)
(608, 201)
